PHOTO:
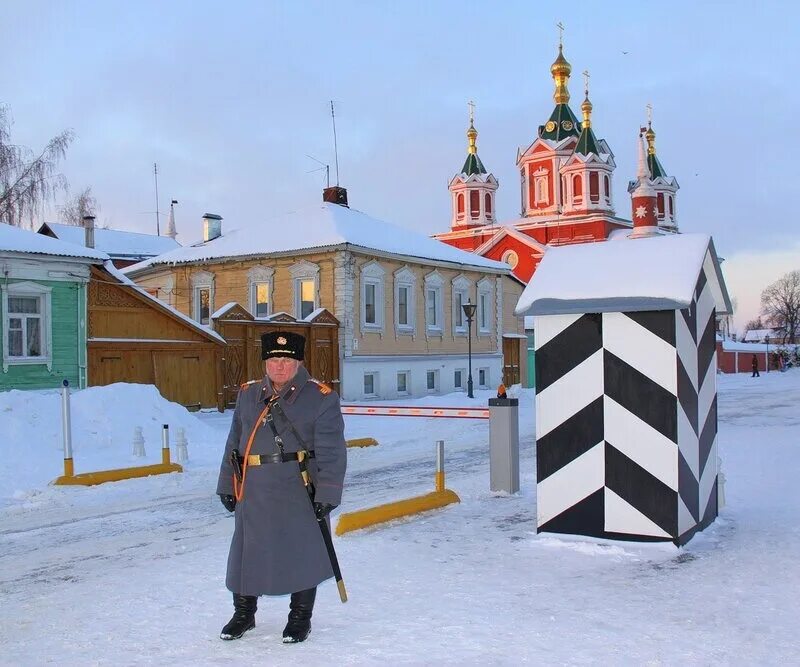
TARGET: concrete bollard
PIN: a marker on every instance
(138, 442)
(504, 444)
(181, 447)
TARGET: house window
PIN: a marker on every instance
(404, 281)
(402, 382)
(202, 304)
(305, 290)
(202, 296)
(369, 303)
(483, 378)
(305, 276)
(458, 379)
(260, 299)
(372, 295)
(461, 289)
(260, 281)
(26, 324)
(432, 380)
(370, 384)
(484, 312)
(433, 303)
(402, 305)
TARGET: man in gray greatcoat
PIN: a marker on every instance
(277, 547)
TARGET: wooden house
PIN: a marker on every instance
(396, 296)
(43, 291)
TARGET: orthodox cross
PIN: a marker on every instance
(560, 27)
(586, 81)
(471, 106)
(649, 114)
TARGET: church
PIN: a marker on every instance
(565, 188)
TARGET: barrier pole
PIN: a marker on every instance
(165, 445)
(440, 465)
(66, 424)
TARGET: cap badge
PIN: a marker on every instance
(281, 340)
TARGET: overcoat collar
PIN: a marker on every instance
(292, 388)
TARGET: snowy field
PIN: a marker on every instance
(132, 573)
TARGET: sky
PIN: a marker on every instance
(231, 101)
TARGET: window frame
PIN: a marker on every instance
(463, 385)
(372, 274)
(461, 287)
(375, 384)
(436, 384)
(304, 271)
(407, 375)
(260, 275)
(485, 371)
(29, 289)
(485, 288)
(434, 283)
(202, 280)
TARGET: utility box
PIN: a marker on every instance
(626, 396)
(504, 444)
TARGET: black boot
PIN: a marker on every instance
(300, 608)
(244, 617)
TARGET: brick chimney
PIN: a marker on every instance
(212, 226)
(88, 229)
(335, 195)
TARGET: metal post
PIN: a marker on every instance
(766, 356)
(440, 465)
(504, 444)
(469, 357)
(66, 422)
(165, 444)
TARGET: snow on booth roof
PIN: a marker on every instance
(655, 273)
(14, 239)
(317, 227)
(115, 242)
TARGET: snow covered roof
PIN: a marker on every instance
(324, 226)
(117, 244)
(656, 273)
(757, 335)
(14, 239)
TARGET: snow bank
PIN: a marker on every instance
(103, 422)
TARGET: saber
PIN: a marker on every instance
(323, 528)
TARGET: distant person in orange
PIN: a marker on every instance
(755, 367)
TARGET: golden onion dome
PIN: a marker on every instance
(650, 136)
(586, 108)
(472, 136)
(561, 70)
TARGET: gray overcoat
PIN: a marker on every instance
(277, 547)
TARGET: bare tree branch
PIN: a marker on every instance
(780, 305)
(28, 180)
(84, 203)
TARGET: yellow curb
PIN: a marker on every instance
(382, 513)
(101, 476)
(362, 442)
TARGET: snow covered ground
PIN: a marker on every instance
(132, 573)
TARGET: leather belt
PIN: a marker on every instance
(263, 459)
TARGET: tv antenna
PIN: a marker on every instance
(335, 146)
(320, 168)
(158, 222)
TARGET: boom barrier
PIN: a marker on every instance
(408, 411)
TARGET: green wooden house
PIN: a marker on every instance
(43, 310)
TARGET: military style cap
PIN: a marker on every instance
(282, 344)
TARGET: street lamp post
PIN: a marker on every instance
(469, 311)
(766, 362)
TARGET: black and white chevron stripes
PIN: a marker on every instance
(626, 422)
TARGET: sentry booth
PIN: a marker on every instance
(626, 396)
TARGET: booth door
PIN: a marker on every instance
(511, 361)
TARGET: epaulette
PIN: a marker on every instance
(323, 388)
(245, 385)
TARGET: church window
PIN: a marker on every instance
(577, 189)
(460, 204)
(475, 204)
(541, 190)
(607, 187)
(671, 208)
(488, 204)
(594, 187)
(660, 204)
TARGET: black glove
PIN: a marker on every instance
(323, 509)
(228, 501)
